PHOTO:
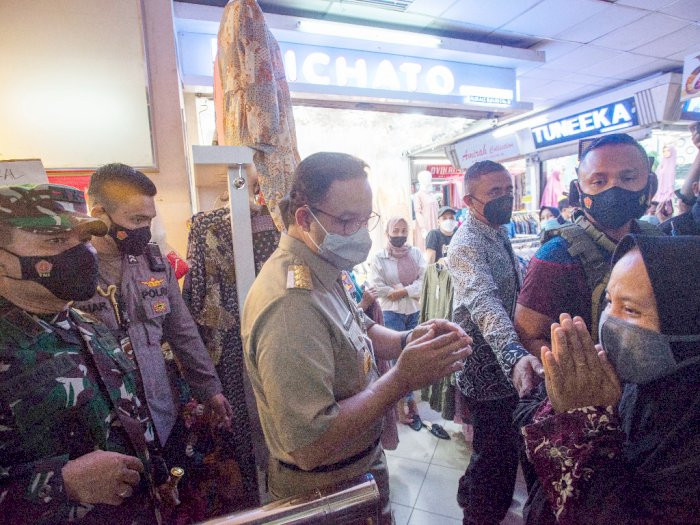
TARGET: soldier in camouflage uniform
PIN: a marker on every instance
(76, 441)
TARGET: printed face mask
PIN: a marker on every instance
(398, 242)
(71, 275)
(639, 355)
(615, 207)
(344, 252)
(129, 242)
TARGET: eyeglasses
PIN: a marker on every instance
(351, 226)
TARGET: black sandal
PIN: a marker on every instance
(416, 424)
(436, 430)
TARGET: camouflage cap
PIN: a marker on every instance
(47, 208)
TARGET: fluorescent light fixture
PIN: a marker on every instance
(373, 34)
(517, 126)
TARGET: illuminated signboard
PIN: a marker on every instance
(444, 171)
(489, 147)
(334, 70)
(604, 119)
(690, 110)
(350, 73)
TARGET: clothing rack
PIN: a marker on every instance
(524, 247)
(523, 222)
(232, 158)
(208, 161)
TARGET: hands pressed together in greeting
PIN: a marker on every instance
(577, 372)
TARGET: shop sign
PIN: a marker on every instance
(487, 147)
(690, 110)
(444, 171)
(690, 87)
(349, 71)
(604, 119)
(333, 71)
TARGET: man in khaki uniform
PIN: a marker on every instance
(310, 352)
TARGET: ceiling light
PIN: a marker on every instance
(373, 34)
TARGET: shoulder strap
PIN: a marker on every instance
(584, 241)
(22, 327)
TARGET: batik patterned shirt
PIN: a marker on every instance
(486, 281)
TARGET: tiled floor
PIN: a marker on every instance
(423, 475)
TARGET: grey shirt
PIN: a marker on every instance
(306, 348)
(486, 282)
(156, 313)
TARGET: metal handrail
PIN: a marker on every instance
(354, 502)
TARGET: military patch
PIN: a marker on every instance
(25, 322)
(299, 277)
(43, 268)
(152, 293)
(153, 282)
(159, 307)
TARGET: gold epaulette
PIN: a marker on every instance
(299, 277)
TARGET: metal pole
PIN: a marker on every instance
(242, 231)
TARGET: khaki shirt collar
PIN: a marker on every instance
(322, 269)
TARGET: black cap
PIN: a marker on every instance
(444, 210)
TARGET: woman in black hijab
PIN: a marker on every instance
(618, 439)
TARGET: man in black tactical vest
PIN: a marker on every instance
(569, 273)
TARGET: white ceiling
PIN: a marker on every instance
(590, 45)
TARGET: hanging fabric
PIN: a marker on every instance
(553, 190)
(211, 295)
(257, 108)
(666, 174)
(436, 303)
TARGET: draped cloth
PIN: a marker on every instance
(666, 173)
(257, 108)
(211, 295)
(553, 190)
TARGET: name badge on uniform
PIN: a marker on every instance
(299, 277)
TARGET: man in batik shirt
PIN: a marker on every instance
(486, 279)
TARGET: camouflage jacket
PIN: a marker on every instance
(61, 383)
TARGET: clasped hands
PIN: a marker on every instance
(397, 294)
(434, 350)
(577, 372)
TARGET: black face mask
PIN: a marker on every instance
(397, 242)
(499, 210)
(71, 275)
(615, 207)
(130, 242)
